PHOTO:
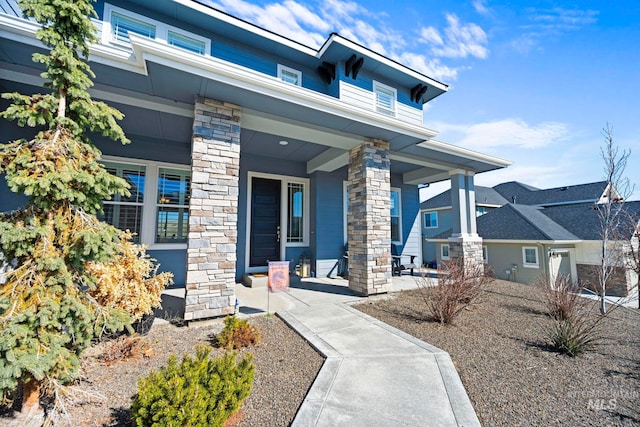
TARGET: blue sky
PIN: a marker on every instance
(531, 82)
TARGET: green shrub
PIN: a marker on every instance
(196, 392)
(237, 334)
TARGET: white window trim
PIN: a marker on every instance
(298, 73)
(442, 255)
(394, 111)
(162, 29)
(345, 213)
(284, 180)
(150, 206)
(399, 214)
(526, 264)
(424, 219)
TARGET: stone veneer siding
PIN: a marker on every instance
(466, 249)
(369, 218)
(617, 285)
(213, 210)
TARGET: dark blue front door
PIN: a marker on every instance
(265, 222)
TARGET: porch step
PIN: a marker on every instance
(260, 280)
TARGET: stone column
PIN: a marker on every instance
(213, 210)
(369, 218)
(465, 244)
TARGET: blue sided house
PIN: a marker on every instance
(249, 147)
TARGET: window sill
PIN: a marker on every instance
(531, 265)
(167, 246)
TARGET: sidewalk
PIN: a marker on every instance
(374, 374)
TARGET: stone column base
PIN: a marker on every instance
(467, 249)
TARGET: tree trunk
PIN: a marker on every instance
(31, 398)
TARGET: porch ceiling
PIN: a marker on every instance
(155, 106)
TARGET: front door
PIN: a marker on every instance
(265, 222)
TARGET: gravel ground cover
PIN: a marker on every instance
(499, 348)
(286, 366)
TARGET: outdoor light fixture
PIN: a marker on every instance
(283, 142)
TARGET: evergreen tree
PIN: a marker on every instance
(50, 307)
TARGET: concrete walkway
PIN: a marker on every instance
(374, 374)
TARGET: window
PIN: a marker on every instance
(444, 252)
(431, 220)
(185, 42)
(295, 209)
(119, 23)
(289, 75)
(385, 99)
(172, 205)
(480, 210)
(396, 223)
(485, 256)
(124, 212)
(122, 25)
(158, 208)
(530, 257)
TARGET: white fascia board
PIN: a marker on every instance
(533, 242)
(442, 208)
(337, 38)
(241, 77)
(443, 147)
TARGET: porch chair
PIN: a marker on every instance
(397, 266)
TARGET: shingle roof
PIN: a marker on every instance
(583, 220)
(484, 196)
(520, 222)
(526, 195)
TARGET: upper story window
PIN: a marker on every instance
(120, 23)
(431, 220)
(385, 99)
(186, 42)
(289, 75)
(481, 210)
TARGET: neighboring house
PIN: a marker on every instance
(557, 232)
(437, 216)
(248, 147)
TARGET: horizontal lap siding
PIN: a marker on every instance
(363, 98)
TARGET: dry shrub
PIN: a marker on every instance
(129, 281)
(575, 326)
(237, 334)
(125, 347)
(560, 295)
(459, 285)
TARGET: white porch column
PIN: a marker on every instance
(464, 244)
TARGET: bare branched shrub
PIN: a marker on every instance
(124, 347)
(575, 326)
(459, 284)
(560, 295)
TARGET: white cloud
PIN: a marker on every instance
(511, 133)
(481, 7)
(459, 41)
(431, 67)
